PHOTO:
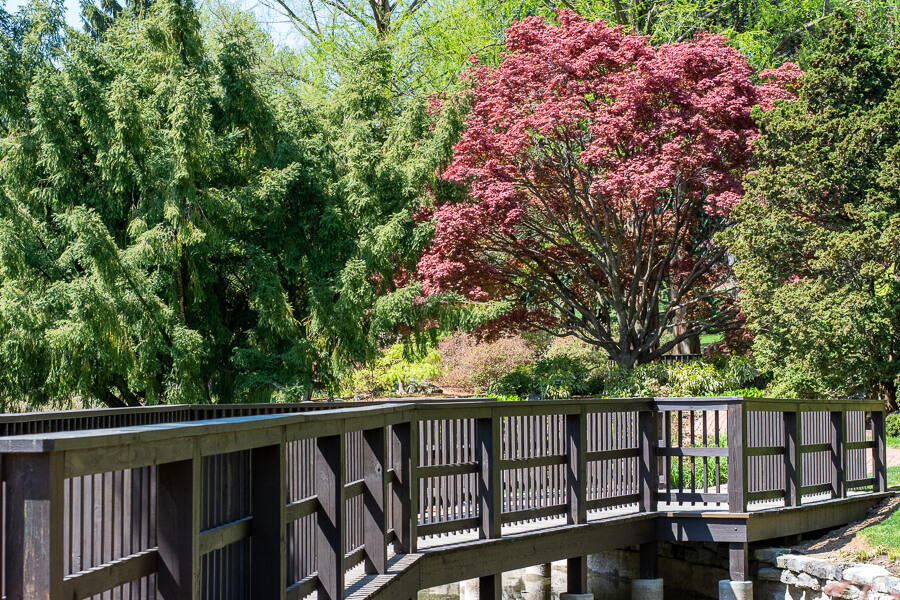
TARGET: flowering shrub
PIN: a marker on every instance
(468, 363)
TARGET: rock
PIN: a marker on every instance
(801, 580)
(865, 574)
(793, 562)
(415, 386)
(824, 569)
(770, 555)
(533, 397)
(766, 574)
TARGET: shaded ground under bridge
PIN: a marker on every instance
(381, 500)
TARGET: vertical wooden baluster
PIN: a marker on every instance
(178, 521)
(487, 432)
(268, 497)
(34, 526)
(330, 517)
(737, 458)
(879, 449)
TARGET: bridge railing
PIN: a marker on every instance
(162, 503)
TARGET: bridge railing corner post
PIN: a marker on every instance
(33, 568)
(737, 457)
(879, 452)
(487, 434)
(648, 447)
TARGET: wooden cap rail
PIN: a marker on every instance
(278, 501)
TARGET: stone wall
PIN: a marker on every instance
(784, 576)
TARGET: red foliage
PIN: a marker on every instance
(591, 157)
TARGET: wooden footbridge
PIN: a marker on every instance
(380, 500)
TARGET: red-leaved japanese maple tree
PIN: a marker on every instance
(598, 168)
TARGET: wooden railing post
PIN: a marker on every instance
(487, 436)
(838, 426)
(374, 522)
(793, 458)
(268, 498)
(737, 458)
(34, 526)
(576, 494)
(178, 515)
(879, 452)
(648, 465)
(405, 488)
(576, 467)
(330, 451)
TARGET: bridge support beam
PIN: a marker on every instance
(738, 587)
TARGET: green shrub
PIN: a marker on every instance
(518, 382)
(391, 368)
(561, 377)
(892, 425)
(697, 477)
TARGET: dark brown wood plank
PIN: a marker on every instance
(374, 465)
(793, 458)
(34, 526)
(576, 468)
(648, 463)
(268, 496)
(330, 518)
(178, 528)
(487, 433)
(110, 575)
(879, 450)
(737, 460)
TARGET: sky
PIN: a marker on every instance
(277, 25)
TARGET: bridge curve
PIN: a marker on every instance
(283, 501)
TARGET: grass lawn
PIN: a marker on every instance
(893, 442)
(887, 533)
(711, 338)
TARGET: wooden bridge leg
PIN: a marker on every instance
(738, 561)
(34, 526)
(268, 559)
(330, 452)
(649, 560)
(374, 526)
(490, 587)
(576, 575)
(178, 529)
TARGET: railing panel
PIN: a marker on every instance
(694, 455)
(765, 477)
(533, 476)
(301, 533)
(447, 468)
(612, 460)
(815, 436)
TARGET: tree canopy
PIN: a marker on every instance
(598, 169)
(176, 226)
(817, 239)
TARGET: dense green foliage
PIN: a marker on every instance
(176, 226)
(892, 425)
(817, 238)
